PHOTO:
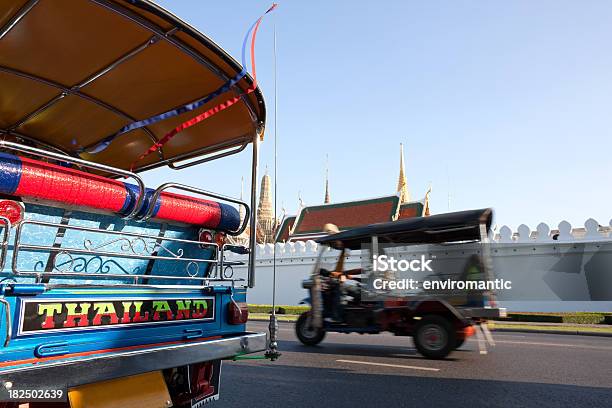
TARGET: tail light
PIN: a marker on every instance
(206, 237)
(220, 238)
(209, 237)
(238, 313)
(469, 331)
(13, 210)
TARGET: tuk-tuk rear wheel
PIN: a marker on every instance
(309, 336)
(434, 337)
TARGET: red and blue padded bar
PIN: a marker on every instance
(185, 209)
(25, 177)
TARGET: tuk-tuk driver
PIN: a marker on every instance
(338, 277)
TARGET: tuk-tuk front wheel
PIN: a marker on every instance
(307, 334)
(434, 337)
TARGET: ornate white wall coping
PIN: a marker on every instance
(592, 231)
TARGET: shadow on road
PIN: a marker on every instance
(274, 385)
(365, 350)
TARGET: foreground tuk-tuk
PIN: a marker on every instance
(438, 321)
(113, 294)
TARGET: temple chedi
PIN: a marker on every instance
(266, 224)
(309, 221)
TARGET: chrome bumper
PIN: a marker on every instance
(69, 373)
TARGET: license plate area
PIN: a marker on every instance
(144, 390)
(194, 385)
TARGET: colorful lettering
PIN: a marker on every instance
(162, 307)
(49, 310)
(200, 309)
(183, 309)
(73, 315)
(137, 317)
(105, 309)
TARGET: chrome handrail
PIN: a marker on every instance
(84, 163)
(96, 252)
(205, 193)
(231, 150)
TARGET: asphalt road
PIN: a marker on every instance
(351, 370)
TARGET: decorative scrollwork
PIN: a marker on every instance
(228, 272)
(178, 254)
(124, 254)
(137, 246)
(61, 266)
(39, 266)
(94, 264)
(192, 269)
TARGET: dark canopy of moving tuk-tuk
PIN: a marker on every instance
(74, 72)
(449, 227)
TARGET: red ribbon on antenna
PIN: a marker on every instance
(212, 111)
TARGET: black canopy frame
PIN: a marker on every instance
(435, 229)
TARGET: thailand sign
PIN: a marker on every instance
(69, 314)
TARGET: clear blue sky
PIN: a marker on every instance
(502, 104)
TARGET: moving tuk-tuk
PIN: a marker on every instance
(113, 294)
(439, 321)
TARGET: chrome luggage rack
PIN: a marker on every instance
(97, 258)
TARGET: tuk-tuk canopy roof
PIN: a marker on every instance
(449, 227)
(74, 72)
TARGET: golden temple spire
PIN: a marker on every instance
(402, 184)
(426, 211)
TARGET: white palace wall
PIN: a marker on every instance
(527, 258)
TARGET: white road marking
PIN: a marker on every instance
(506, 335)
(535, 343)
(388, 365)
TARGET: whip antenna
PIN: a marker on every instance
(272, 352)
